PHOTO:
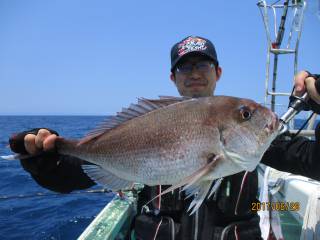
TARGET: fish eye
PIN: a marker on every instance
(245, 113)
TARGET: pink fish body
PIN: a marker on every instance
(177, 141)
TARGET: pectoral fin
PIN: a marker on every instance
(190, 180)
(200, 191)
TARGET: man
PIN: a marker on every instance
(195, 70)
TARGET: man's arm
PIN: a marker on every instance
(298, 155)
(49, 169)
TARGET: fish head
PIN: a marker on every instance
(246, 131)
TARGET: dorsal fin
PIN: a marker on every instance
(135, 110)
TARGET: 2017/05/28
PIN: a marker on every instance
(275, 206)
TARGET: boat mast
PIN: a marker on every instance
(296, 11)
(292, 13)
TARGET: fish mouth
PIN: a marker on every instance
(273, 124)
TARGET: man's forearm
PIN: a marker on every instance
(299, 156)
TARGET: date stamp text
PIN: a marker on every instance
(275, 206)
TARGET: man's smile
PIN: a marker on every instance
(197, 83)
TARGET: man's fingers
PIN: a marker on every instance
(312, 90)
(50, 142)
(29, 144)
(43, 141)
(299, 83)
(41, 136)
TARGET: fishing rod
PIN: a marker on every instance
(46, 194)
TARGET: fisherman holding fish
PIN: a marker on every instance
(216, 141)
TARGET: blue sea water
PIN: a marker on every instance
(52, 216)
(23, 214)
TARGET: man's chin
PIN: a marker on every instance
(196, 90)
(196, 94)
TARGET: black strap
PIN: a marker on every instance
(316, 77)
(309, 104)
(317, 82)
(315, 107)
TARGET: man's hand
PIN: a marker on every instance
(304, 83)
(43, 141)
(34, 141)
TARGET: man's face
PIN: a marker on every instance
(196, 76)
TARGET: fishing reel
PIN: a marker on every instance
(296, 105)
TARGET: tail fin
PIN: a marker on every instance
(66, 146)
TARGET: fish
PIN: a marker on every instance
(188, 143)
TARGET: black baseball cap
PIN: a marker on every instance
(193, 45)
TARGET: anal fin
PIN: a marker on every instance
(106, 178)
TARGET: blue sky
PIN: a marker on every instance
(95, 57)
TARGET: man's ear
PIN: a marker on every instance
(173, 78)
(218, 72)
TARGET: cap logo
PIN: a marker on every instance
(191, 44)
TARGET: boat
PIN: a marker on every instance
(114, 221)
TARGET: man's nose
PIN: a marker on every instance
(195, 73)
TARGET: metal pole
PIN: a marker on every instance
(277, 44)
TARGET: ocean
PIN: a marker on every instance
(28, 211)
(23, 214)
